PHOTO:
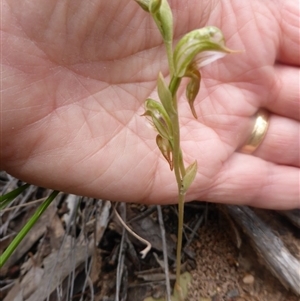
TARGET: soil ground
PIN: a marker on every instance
(220, 270)
(225, 272)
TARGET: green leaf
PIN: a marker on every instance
(201, 46)
(165, 94)
(10, 196)
(144, 4)
(185, 280)
(13, 245)
(189, 177)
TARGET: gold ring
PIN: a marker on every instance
(258, 133)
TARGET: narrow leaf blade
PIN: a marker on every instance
(164, 94)
(189, 177)
(16, 241)
(10, 196)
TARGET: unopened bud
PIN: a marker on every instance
(193, 87)
(163, 18)
(159, 117)
(165, 148)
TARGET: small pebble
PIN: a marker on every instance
(248, 279)
(234, 293)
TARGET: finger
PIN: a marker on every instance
(284, 99)
(289, 24)
(248, 180)
(282, 141)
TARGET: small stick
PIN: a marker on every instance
(165, 252)
(120, 266)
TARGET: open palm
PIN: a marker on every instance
(75, 77)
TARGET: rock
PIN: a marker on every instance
(248, 279)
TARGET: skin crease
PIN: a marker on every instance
(75, 76)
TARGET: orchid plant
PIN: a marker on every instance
(193, 51)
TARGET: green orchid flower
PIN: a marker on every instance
(199, 48)
(159, 118)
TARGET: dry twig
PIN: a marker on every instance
(146, 242)
(165, 252)
(121, 258)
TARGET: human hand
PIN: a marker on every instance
(75, 76)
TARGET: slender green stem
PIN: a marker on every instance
(181, 200)
(176, 149)
(169, 49)
(13, 245)
(174, 84)
(179, 170)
